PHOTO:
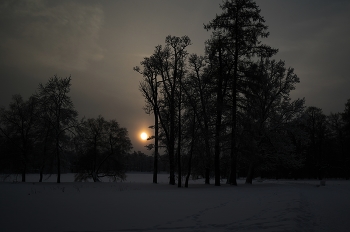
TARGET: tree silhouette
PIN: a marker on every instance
(149, 89)
(59, 112)
(18, 127)
(346, 119)
(237, 31)
(168, 64)
(101, 147)
(270, 111)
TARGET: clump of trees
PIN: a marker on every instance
(229, 113)
(220, 115)
(101, 148)
(42, 134)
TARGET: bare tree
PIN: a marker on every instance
(169, 64)
(149, 89)
(18, 127)
(101, 148)
(269, 109)
(59, 112)
(200, 100)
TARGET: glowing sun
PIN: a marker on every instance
(144, 136)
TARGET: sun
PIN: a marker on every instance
(144, 136)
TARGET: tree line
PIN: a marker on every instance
(43, 135)
(221, 115)
(229, 112)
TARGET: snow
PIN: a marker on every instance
(139, 205)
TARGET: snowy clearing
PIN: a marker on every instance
(138, 205)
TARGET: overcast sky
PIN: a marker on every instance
(99, 42)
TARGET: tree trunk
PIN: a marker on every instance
(58, 163)
(233, 171)
(207, 175)
(23, 175)
(171, 147)
(250, 175)
(155, 162)
(189, 167)
(95, 177)
(179, 177)
(219, 105)
(44, 157)
(24, 170)
(217, 148)
(191, 150)
(171, 166)
(233, 155)
(208, 155)
(41, 175)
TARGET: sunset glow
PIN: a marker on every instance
(144, 136)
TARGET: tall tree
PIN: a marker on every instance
(318, 131)
(338, 143)
(18, 127)
(45, 146)
(58, 111)
(171, 76)
(149, 90)
(346, 120)
(199, 93)
(270, 110)
(221, 66)
(169, 63)
(242, 27)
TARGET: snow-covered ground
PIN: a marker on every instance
(139, 205)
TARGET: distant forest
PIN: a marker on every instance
(223, 115)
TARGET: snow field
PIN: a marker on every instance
(139, 205)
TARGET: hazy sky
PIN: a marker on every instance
(99, 42)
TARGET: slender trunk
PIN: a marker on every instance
(171, 145)
(179, 174)
(250, 175)
(191, 149)
(95, 177)
(217, 154)
(58, 146)
(233, 155)
(156, 131)
(44, 157)
(94, 170)
(41, 175)
(189, 165)
(155, 161)
(233, 171)
(207, 152)
(179, 140)
(24, 170)
(58, 162)
(207, 175)
(206, 136)
(172, 126)
(219, 105)
(41, 172)
(24, 175)
(343, 157)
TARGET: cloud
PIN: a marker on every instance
(56, 34)
(312, 37)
